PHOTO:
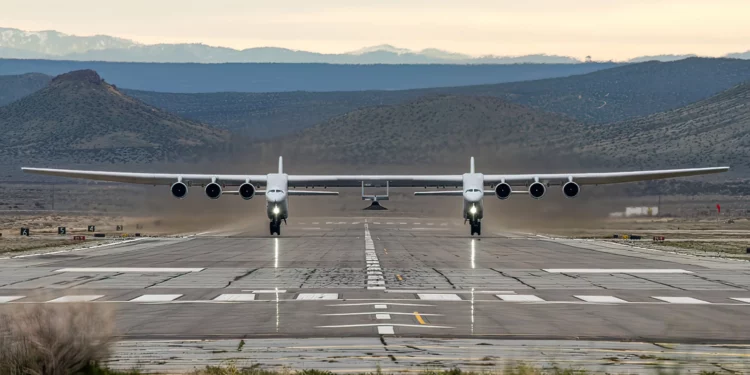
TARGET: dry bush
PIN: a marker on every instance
(54, 339)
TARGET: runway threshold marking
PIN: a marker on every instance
(317, 296)
(235, 297)
(746, 300)
(439, 297)
(601, 299)
(6, 299)
(419, 318)
(156, 298)
(386, 330)
(683, 300)
(519, 298)
(82, 298)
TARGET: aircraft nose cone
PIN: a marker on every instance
(473, 196)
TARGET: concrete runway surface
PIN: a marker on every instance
(349, 293)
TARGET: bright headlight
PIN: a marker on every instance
(473, 210)
(276, 210)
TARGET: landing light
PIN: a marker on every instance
(275, 210)
(473, 210)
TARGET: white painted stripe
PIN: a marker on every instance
(376, 288)
(519, 298)
(389, 223)
(6, 299)
(682, 300)
(384, 325)
(615, 270)
(381, 306)
(235, 297)
(266, 291)
(376, 223)
(156, 298)
(130, 269)
(601, 299)
(385, 330)
(379, 313)
(417, 223)
(439, 297)
(402, 223)
(746, 300)
(83, 298)
(382, 316)
(453, 291)
(317, 296)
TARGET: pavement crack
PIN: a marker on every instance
(308, 277)
(654, 281)
(514, 278)
(446, 278)
(167, 279)
(240, 277)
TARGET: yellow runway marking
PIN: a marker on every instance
(399, 278)
(419, 318)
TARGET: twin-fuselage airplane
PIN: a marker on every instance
(473, 184)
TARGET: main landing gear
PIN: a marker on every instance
(275, 227)
(476, 227)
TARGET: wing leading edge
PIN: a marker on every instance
(148, 178)
(600, 178)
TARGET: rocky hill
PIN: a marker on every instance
(79, 117)
(16, 87)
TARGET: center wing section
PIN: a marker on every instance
(150, 178)
(376, 180)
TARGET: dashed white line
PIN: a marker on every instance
(156, 298)
(682, 300)
(82, 298)
(439, 297)
(385, 330)
(601, 299)
(383, 316)
(519, 298)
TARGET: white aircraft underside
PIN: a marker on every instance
(472, 185)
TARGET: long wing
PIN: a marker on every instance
(149, 178)
(375, 180)
(599, 178)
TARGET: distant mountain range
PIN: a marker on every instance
(19, 44)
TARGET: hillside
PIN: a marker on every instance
(714, 131)
(80, 118)
(16, 87)
(430, 129)
(609, 95)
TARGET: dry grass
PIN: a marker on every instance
(54, 339)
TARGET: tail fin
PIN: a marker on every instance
(281, 165)
(472, 165)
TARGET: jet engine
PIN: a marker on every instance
(247, 191)
(571, 189)
(179, 190)
(213, 190)
(537, 190)
(503, 191)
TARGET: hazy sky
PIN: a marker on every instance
(604, 29)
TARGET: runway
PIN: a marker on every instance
(393, 278)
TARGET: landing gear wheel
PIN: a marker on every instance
(275, 227)
(476, 227)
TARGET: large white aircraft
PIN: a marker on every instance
(472, 184)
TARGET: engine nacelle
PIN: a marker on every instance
(537, 190)
(247, 191)
(571, 189)
(503, 191)
(213, 190)
(179, 190)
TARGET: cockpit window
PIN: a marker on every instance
(472, 190)
(275, 191)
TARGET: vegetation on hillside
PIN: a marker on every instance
(16, 87)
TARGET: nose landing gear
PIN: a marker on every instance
(476, 227)
(275, 227)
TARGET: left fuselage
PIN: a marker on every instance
(473, 192)
(277, 192)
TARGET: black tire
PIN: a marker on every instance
(479, 229)
(271, 228)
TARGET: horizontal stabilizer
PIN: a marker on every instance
(452, 193)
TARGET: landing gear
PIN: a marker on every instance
(275, 227)
(476, 227)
